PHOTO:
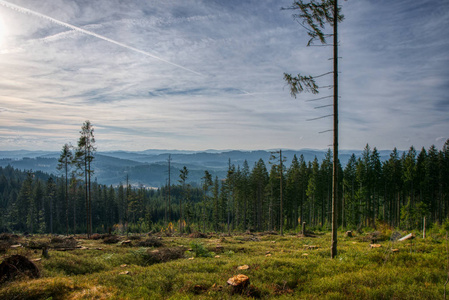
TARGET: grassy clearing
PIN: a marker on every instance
(282, 267)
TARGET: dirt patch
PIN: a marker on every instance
(17, 266)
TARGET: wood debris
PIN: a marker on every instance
(407, 237)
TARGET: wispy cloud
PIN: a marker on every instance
(88, 60)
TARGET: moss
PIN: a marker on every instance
(417, 271)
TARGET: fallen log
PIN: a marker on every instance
(407, 237)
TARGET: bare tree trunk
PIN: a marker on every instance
(335, 152)
(281, 223)
(66, 201)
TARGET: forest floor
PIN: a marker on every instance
(195, 267)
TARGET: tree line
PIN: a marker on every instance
(399, 191)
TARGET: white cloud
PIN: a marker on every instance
(393, 75)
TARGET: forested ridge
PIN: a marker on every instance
(399, 191)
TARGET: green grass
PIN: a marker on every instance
(417, 271)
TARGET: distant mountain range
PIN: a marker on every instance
(150, 167)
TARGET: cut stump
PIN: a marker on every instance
(239, 283)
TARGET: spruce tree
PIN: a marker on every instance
(85, 156)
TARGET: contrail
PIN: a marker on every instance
(28, 11)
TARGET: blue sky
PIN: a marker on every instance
(202, 75)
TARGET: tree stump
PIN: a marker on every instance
(45, 252)
(239, 283)
(244, 267)
(348, 234)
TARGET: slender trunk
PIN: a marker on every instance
(87, 196)
(66, 199)
(90, 202)
(244, 212)
(169, 187)
(281, 212)
(335, 154)
(180, 212)
(343, 225)
(51, 214)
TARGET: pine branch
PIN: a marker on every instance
(300, 83)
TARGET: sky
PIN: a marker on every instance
(197, 75)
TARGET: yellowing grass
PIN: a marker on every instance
(279, 267)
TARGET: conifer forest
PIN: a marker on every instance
(267, 196)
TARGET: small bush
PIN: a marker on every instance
(150, 242)
(200, 250)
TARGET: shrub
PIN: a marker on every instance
(200, 250)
